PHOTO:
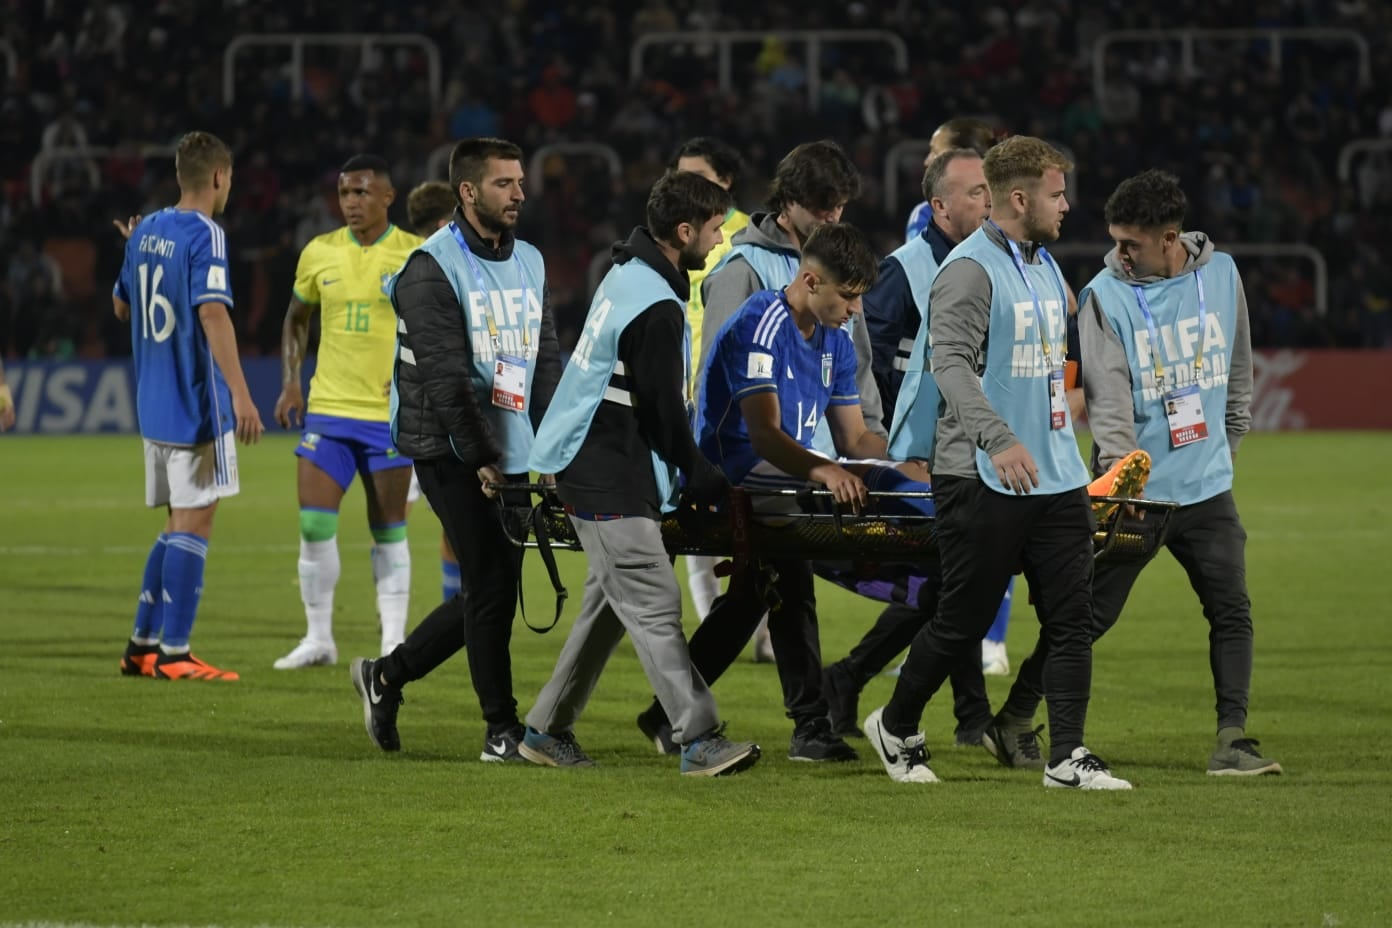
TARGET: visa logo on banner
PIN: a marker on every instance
(77, 396)
(70, 397)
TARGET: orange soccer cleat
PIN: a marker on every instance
(1126, 479)
(187, 667)
(139, 660)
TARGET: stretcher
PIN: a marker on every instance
(887, 530)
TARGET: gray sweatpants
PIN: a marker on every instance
(630, 587)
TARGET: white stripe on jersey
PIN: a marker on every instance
(217, 236)
(768, 324)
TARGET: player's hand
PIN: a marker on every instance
(7, 410)
(127, 227)
(490, 476)
(1016, 469)
(846, 488)
(706, 486)
(289, 406)
(249, 427)
(546, 480)
(914, 470)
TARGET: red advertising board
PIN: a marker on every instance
(1295, 389)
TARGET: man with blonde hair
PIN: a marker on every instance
(1009, 483)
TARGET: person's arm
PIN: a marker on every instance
(883, 307)
(438, 338)
(651, 350)
(1238, 418)
(548, 362)
(871, 408)
(723, 293)
(961, 301)
(222, 342)
(853, 437)
(7, 410)
(763, 421)
(294, 338)
(1106, 385)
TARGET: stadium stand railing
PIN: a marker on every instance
(1352, 150)
(724, 40)
(297, 42)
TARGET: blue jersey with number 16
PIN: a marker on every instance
(176, 260)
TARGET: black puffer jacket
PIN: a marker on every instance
(442, 403)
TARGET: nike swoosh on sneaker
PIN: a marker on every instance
(500, 748)
(1074, 781)
(372, 693)
(891, 757)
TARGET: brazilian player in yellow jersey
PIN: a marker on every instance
(715, 161)
(346, 431)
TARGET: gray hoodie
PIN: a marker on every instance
(724, 292)
(1108, 377)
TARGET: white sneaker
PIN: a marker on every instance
(904, 759)
(1082, 770)
(308, 653)
(994, 662)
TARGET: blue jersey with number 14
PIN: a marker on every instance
(176, 260)
(760, 350)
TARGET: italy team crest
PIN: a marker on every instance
(826, 370)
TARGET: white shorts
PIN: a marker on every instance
(184, 477)
(414, 493)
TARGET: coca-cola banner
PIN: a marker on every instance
(1321, 390)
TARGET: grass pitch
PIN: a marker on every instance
(126, 801)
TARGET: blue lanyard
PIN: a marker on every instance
(483, 288)
(1034, 294)
(1155, 346)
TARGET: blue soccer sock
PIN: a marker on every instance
(149, 609)
(184, 558)
(887, 479)
(998, 627)
(449, 572)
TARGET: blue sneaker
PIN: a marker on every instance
(559, 750)
(713, 755)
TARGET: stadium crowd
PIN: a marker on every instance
(1258, 148)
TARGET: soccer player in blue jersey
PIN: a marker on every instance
(191, 400)
(341, 275)
(775, 369)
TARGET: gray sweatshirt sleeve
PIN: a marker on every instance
(722, 294)
(961, 318)
(871, 406)
(1239, 412)
(1107, 383)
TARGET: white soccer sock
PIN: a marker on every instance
(391, 569)
(319, 569)
(705, 585)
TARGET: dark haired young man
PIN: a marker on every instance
(776, 370)
(476, 365)
(1168, 368)
(345, 432)
(616, 436)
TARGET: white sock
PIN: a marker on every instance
(391, 569)
(319, 570)
(704, 584)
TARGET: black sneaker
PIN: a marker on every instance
(501, 746)
(814, 742)
(843, 701)
(1014, 742)
(380, 703)
(652, 722)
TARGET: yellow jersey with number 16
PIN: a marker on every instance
(357, 325)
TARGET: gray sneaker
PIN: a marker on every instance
(713, 755)
(559, 750)
(1014, 742)
(1236, 756)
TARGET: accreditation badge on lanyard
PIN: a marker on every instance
(1058, 395)
(1183, 405)
(510, 383)
(509, 370)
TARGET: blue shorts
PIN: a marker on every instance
(341, 447)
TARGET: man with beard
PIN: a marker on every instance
(1009, 483)
(340, 275)
(476, 366)
(616, 437)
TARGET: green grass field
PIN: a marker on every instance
(127, 801)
